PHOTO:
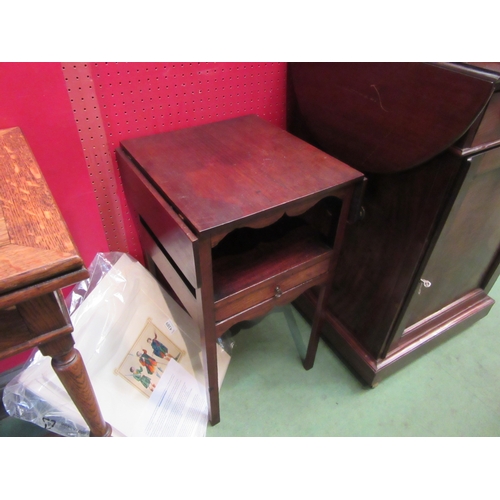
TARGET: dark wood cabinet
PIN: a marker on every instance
(418, 266)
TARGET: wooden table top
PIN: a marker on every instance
(35, 244)
(235, 169)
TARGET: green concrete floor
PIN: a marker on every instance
(452, 391)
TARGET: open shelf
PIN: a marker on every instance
(251, 266)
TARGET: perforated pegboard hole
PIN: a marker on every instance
(86, 110)
(144, 98)
(116, 101)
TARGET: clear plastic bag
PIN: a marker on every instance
(99, 267)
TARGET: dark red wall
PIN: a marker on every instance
(34, 98)
(75, 114)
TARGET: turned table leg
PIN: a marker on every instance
(46, 317)
(69, 367)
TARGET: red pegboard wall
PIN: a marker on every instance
(117, 101)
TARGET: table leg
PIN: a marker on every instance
(324, 293)
(206, 323)
(312, 346)
(209, 351)
(69, 367)
(47, 315)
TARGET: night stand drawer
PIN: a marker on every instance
(246, 277)
(272, 289)
(160, 220)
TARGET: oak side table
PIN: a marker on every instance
(238, 216)
(37, 259)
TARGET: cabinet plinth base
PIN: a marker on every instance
(417, 341)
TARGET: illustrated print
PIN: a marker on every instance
(148, 358)
(160, 350)
(145, 381)
(148, 362)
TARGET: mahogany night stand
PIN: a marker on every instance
(238, 216)
(37, 259)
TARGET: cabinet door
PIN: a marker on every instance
(468, 247)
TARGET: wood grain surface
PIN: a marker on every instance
(34, 240)
(235, 170)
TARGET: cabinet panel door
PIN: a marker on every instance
(469, 243)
